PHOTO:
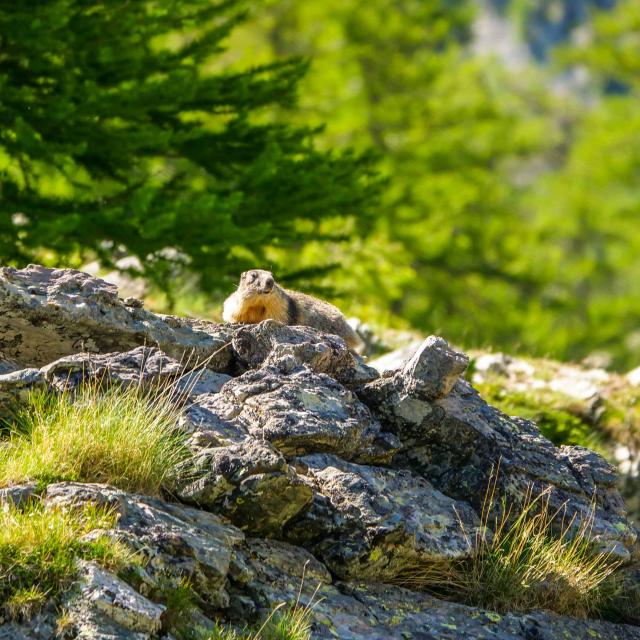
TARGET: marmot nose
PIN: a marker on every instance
(268, 285)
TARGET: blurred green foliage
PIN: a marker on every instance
(511, 216)
(179, 133)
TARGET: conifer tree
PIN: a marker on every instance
(125, 128)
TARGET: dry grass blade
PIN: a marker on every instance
(534, 560)
(526, 560)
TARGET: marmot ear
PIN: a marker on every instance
(243, 274)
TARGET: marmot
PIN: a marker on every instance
(259, 297)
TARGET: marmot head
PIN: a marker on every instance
(256, 282)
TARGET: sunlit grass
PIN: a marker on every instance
(292, 622)
(532, 562)
(528, 560)
(40, 548)
(283, 623)
(123, 437)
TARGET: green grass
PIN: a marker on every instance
(293, 623)
(39, 550)
(123, 437)
(531, 564)
(24, 603)
(532, 561)
(621, 416)
(181, 602)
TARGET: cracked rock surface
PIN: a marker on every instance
(307, 470)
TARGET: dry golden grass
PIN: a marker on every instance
(525, 561)
(536, 561)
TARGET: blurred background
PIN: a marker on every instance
(468, 168)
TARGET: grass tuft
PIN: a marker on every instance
(288, 624)
(181, 601)
(293, 623)
(40, 548)
(123, 437)
(532, 561)
(24, 603)
(529, 564)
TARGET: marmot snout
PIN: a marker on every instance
(259, 297)
(256, 282)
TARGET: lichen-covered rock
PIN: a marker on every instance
(271, 343)
(268, 572)
(586, 404)
(429, 374)
(341, 474)
(147, 367)
(381, 612)
(143, 366)
(403, 398)
(103, 595)
(274, 572)
(42, 626)
(458, 442)
(300, 412)
(250, 483)
(140, 366)
(176, 541)
(49, 313)
(376, 523)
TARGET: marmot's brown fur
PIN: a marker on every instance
(259, 297)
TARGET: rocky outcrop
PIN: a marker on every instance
(378, 523)
(453, 438)
(306, 470)
(50, 313)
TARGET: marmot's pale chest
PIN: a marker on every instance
(258, 297)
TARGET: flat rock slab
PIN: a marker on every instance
(276, 572)
(147, 367)
(380, 612)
